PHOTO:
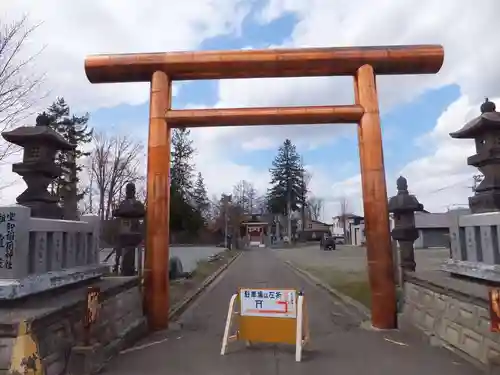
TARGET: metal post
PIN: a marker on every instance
(225, 227)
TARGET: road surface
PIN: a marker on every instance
(339, 344)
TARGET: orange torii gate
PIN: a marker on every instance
(363, 63)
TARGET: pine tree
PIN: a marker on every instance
(200, 197)
(75, 130)
(287, 185)
(183, 213)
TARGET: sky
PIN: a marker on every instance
(417, 112)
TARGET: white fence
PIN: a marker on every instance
(475, 244)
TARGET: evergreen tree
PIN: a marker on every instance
(182, 168)
(200, 196)
(183, 213)
(286, 180)
(75, 130)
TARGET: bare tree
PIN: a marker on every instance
(245, 196)
(114, 161)
(314, 207)
(18, 86)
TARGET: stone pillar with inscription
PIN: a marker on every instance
(403, 206)
(14, 243)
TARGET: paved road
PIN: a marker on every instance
(353, 258)
(189, 255)
(339, 345)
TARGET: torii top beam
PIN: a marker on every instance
(304, 62)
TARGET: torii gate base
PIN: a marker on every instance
(361, 62)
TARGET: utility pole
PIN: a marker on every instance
(303, 187)
(227, 200)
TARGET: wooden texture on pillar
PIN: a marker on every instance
(156, 297)
(376, 213)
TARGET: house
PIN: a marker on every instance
(314, 230)
(357, 234)
(434, 228)
(351, 221)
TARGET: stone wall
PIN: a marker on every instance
(43, 332)
(454, 313)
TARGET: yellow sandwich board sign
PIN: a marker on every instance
(267, 315)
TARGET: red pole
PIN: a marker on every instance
(156, 282)
(378, 239)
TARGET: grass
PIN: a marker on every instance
(351, 283)
(179, 289)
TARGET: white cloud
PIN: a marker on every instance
(71, 30)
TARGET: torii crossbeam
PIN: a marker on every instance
(363, 63)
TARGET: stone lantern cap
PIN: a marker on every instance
(403, 201)
(130, 207)
(41, 133)
(487, 121)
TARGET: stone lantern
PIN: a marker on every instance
(129, 213)
(485, 130)
(38, 168)
(403, 206)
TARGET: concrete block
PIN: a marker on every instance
(412, 292)
(429, 321)
(86, 360)
(449, 332)
(491, 352)
(471, 343)
(6, 345)
(440, 302)
(427, 298)
(467, 314)
(452, 309)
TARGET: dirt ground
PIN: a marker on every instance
(353, 258)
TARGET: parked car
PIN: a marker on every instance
(327, 243)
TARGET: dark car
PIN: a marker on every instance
(327, 243)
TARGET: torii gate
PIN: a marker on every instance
(363, 63)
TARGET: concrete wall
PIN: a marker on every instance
(452, 318)
(54, 326)
(432, 237)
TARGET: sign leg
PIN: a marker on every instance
(299, 331)
(229, 321)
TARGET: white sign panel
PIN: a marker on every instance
(273, 303)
